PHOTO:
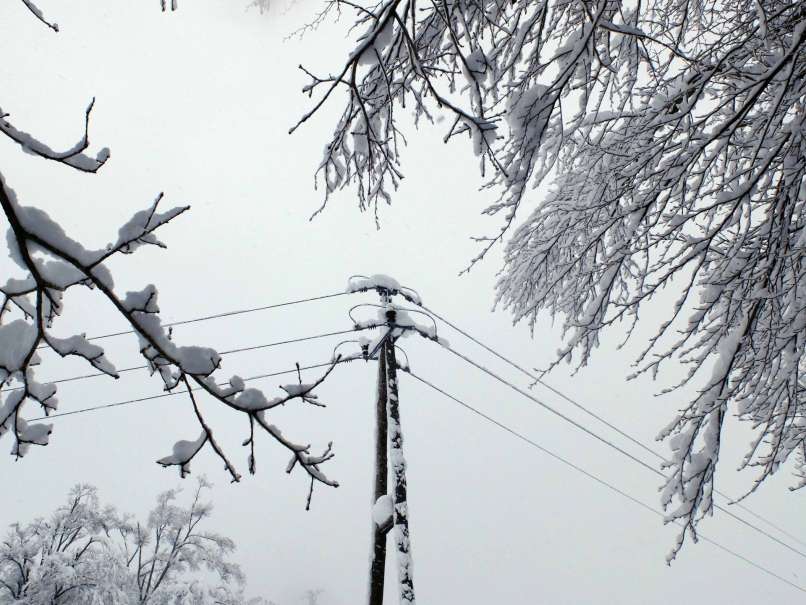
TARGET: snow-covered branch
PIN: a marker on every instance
(51, 262)
(54, 263)
(674, 135)
(36, 12)
(73, 157)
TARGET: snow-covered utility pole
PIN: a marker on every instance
(390, 510)
(399, 499)
(377, 568)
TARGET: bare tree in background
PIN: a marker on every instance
(262, 5)
(86, 553)
(50, 263)
(173, 545)
(311, 597)
(673, 131)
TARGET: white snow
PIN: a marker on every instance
(360, 283)
(382, 510)
(80, 346)
(17, 339)
(251, 399)
(7, 409)
(138, 230)
(183, 452)
(525, 109)
(200, 361)
(298, 389)
(380, 39)
(72, 157)
(39, 223)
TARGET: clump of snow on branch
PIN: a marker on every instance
(183, 453)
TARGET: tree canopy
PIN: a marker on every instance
(86, 553)
(671, 133)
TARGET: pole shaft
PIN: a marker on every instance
(377, 567)
(398, 462)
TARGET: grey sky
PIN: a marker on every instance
(197, 104)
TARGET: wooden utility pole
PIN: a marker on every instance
(398, 462)
(377, 568)
(388, 430)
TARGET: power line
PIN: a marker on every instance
(553, 410)
(229, 352)
(173, 394)
(548, 386)
(605, 422)
(223, 314)
(598, 480)
(478, 366)
(468, 360)
(613, 446)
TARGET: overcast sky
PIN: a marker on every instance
(197, 104)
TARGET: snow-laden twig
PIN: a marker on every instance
(36, 12)
(74, 157)
(52, 263)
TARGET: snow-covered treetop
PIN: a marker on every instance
(86, 553)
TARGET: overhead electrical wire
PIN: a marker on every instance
(105, 406)
(465, 358)
(224, 314)
(604, 421)
(474, 410)
(543, 383)
(478, 413)
(598, 479)
(228, 352)
(612, 445)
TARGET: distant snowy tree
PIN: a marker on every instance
(66, 559)
(163, 554)
(674, 133)
(262, 5)
(87, 554)
(50, 263)
(311, 597)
